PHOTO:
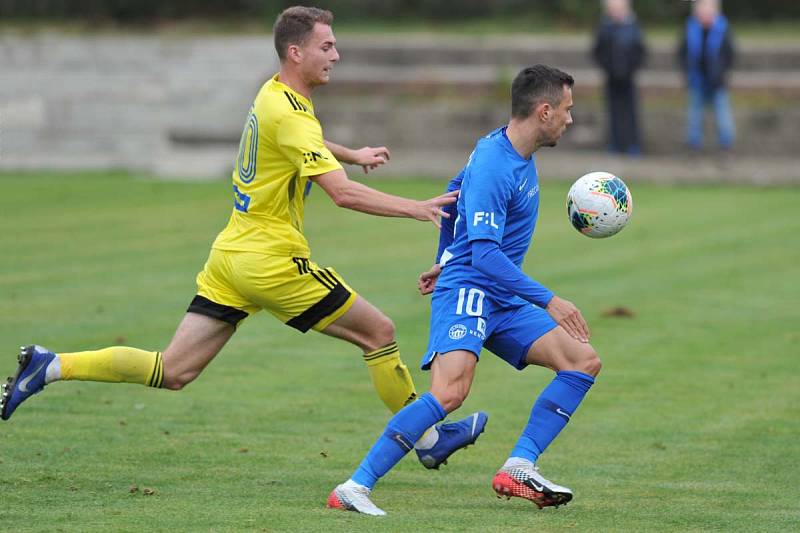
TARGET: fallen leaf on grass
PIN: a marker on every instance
(619, 311)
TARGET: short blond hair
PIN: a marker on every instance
(295, 24)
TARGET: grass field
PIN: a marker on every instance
(692, 426)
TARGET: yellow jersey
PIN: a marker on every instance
(281, 146)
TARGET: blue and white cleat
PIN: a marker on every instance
(452, 437)
(28, 380)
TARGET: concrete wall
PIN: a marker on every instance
(120, 102)
(176, 106)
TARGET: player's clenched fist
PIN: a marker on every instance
(427, 280)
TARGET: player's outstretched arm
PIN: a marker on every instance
(358, 197)
(368, 157)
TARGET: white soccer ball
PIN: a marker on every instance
(599, 204)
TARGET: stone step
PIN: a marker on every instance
(561, 163)
(455, 123)
(486, 79)
(569, 52)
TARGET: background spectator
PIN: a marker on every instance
(706, 54)
(619, 50)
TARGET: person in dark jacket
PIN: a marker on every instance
(620, 51)
(706, 55)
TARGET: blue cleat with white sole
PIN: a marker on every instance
(28, 380)
(452, 437)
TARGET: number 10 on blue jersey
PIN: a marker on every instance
(474, 302)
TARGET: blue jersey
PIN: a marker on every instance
(499, 201)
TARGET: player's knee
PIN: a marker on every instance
(590, 362)
(387, 331)
(584, 359)
(382, 333)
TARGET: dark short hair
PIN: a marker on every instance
(295, 24)
(537, 84)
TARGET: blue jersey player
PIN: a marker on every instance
(481, 298)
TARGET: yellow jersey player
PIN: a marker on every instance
(261, 260)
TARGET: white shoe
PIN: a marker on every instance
(350, 496)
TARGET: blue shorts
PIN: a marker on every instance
(468, 319)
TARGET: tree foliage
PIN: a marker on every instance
(578, 12)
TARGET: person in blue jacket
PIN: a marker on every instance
(706, 55)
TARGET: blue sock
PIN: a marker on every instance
(551, 412)
(402, 431)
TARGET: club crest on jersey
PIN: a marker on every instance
(457, 332)
(482, 217)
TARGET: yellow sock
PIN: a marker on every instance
(390, 377)
(115, 364)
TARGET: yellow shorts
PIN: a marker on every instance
(296, 290)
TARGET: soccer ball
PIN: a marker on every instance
(599, 204)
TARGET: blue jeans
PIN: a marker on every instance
(720, 101)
